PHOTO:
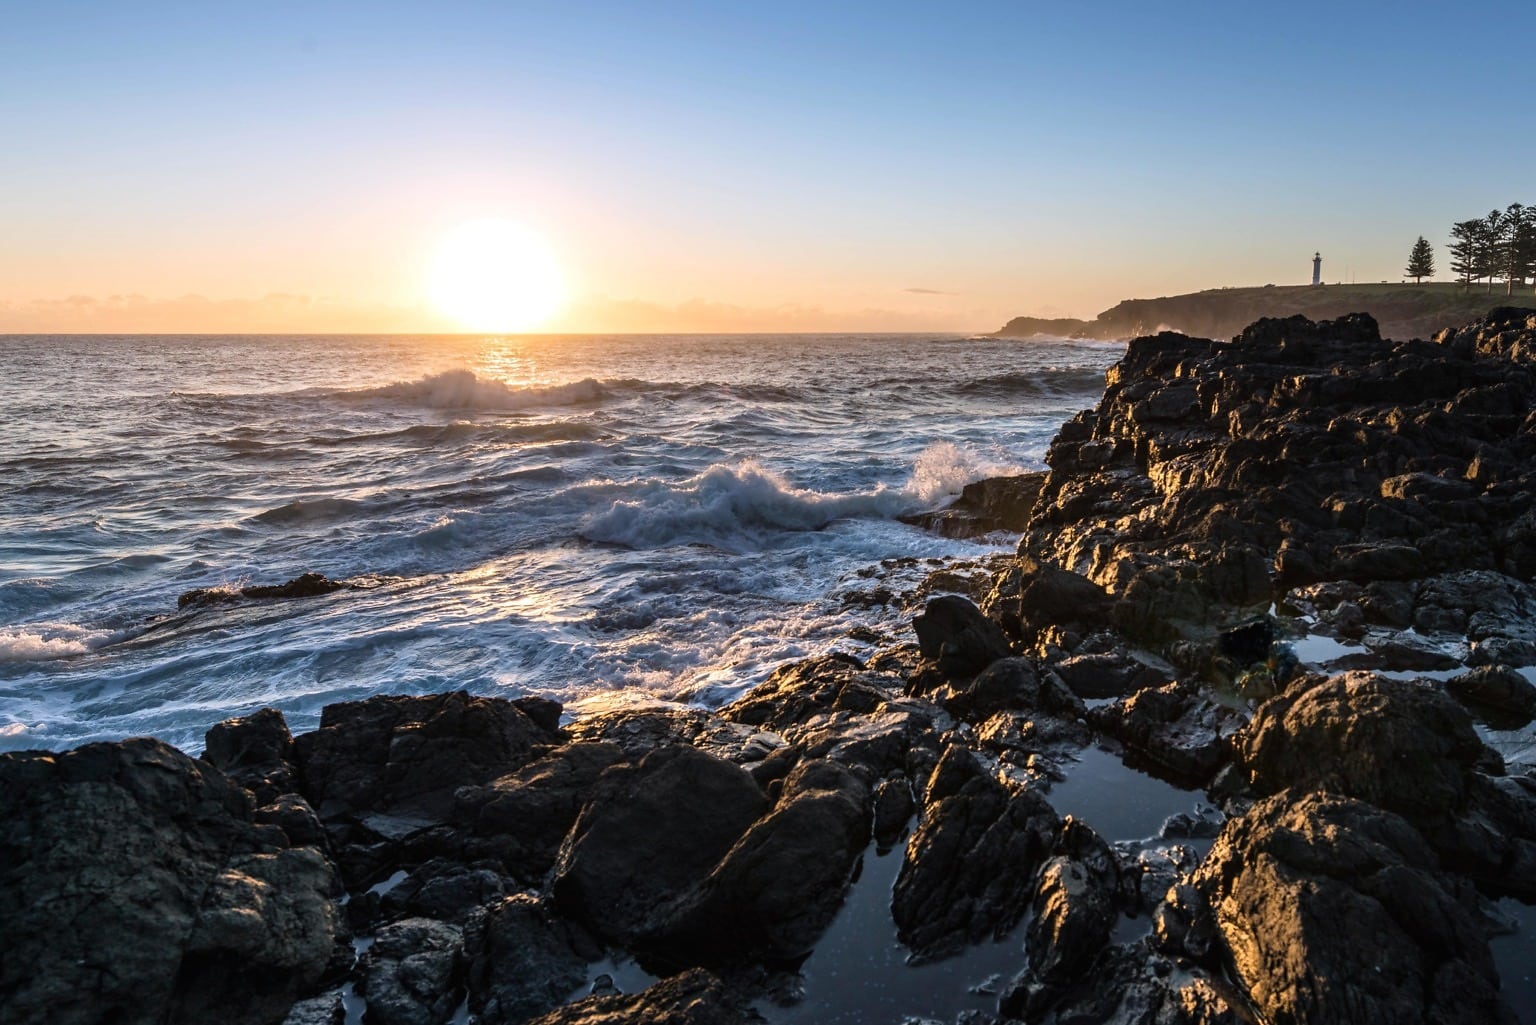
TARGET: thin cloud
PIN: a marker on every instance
(928, 291)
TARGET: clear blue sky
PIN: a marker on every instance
(848, 160)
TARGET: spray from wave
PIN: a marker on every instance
(734, 506)
(463, 389)
(41, 642)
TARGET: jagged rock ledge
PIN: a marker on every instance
(486, 854)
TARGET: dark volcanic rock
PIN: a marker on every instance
(996, 503)
(1499, 688)
(522, 818)
(650, 833)
(1175, 727)
(1331, 910)
(412, 975)
(403, 757)
(952, 631)
(1402, 746)
(523, 960)
(1106, 674)
(307, 585)
(692, 998)
(255, 751)
(1212, 472)
(971, 863)
(776, 890)
(134, 887)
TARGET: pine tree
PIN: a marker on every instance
(1517, 245)
(1465, 237)
(1421, 261)
(1490, 247)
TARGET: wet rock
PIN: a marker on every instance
(893, 807)
(1034, 596)
(962, 642)
(395, 762)
(522, 960)
(1109, 674)
(521, 819)
(692, 998)
(1075, 909)
(1331, 910)
(256, 751)
(641, 729)
(444, 890)
(1176, 727)
(135, 887)
(797, 692)
(326, 1009)
(1129, 984)
(650, 833)
(1248, 643)
(1402, 746)
(307, 585)
(996, 503)
(412, 975)
(777, 889)
(1499, 688)
(970, 865)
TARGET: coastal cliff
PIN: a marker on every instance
(1401, 311)
(1290, 574)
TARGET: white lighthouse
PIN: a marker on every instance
(1317, 268)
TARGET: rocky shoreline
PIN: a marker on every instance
(1290, 574)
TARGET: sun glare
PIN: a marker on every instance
(496, 276)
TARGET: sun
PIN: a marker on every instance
(495, 275)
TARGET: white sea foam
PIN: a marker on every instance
(731, 506)
(39, 642)
(463, 389)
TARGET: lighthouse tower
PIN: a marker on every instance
(1317, 268)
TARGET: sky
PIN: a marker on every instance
(734, 167)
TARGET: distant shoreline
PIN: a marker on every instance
(1403, 311)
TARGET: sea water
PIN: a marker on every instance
(598, 519)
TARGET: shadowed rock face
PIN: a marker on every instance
(134, 887)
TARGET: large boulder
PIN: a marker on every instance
(1400, 745)
(135, 887)
(1331, 910)
(777, 889)
(522, 818)
(953, 632)
(402, 758)
(523, 960)
(649, 833)
(413, 973)
(971, 863)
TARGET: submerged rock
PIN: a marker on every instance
(306, 585)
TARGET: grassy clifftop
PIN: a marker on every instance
(1403, 311)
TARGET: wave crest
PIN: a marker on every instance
(40, 642)
(464, 389)
(733, 506)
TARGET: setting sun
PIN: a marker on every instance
(496, 276)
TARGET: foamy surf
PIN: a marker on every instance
(732, 506)
(42, 642)
(464, 389)
(746, 491)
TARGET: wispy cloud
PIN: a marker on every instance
(928, 291)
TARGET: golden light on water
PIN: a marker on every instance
(496, 276)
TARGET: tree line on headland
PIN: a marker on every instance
(1501, 245)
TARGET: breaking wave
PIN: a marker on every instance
(464, 389)
(40, 642)
(733, 506)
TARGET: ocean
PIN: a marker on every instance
(599, 519)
